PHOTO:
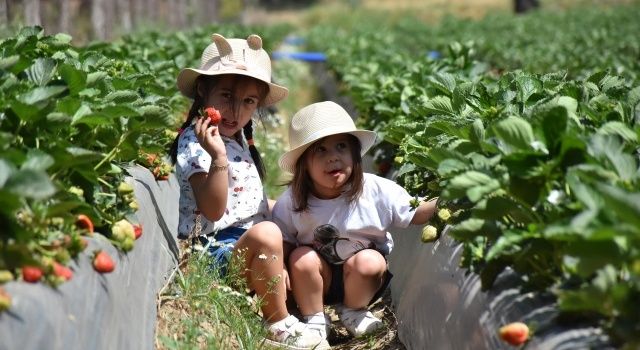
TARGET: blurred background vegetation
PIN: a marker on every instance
(89, 20)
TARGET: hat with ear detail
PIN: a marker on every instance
(316, 121)
(233, 56)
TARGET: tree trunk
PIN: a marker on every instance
(124, 13)
(177, 13)
(32, 12)
(64, 22)
(4, 13)
(522, 6)
(98, 19)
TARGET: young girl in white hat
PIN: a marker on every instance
(336, 216)
(222, 201)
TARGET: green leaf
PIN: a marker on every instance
(156, 116)
(620, 129)
(81, 113)
(451, 166)
(476, 135)
(30, 183)
(473, 184)
(24, 111)
(41, 72)
(6, 170)
(41, 93)
(37, 160)
(507, 244)
(527, 86)
(468, 229)
(76, 79)
(620, 203)
(444, 82)
(122, 96)
(516, 132)
(437, 105)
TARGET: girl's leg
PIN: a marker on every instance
(310, 279)
(261, 248)
(363, 276)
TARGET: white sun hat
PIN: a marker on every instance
(316, 121)
(233, 56)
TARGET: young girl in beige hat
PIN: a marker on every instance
(222, 202)
(336, 216)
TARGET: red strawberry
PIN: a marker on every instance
(214, 115)
(31, 274)
(102, 262)
(137, 230)
(62, 271)
(514, 333)
(85, 222)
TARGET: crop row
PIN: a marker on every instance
(72, 119)
(535, 152)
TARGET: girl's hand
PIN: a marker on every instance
(209, 138)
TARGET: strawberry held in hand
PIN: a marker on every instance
(514, 333)
(214, 115)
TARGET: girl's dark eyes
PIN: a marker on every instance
(250, 101)
(342, 145)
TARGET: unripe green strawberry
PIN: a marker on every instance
(5, 300)
(122, 230)
(514, 333)
(76, 190)
(398, 159)
(444, 214)
(127, 244)
(124, 188)
(5, 276)
(429, 234)
(134, 205)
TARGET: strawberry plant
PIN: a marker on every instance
(538, 168)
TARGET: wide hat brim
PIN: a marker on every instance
(288, 160)
(187, 78)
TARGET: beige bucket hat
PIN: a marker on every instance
(316, 121)
(233, 56)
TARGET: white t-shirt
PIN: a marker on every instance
(383, 204)
(246, 200)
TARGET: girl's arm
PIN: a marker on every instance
(424, 212)
(211, 189)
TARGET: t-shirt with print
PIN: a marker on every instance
(246, 200)
(383, 204)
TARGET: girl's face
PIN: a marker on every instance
(236, 99)
(330, 164)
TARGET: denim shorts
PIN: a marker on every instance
(220, 246)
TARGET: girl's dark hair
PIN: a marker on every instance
(208, 82)
(302, 185)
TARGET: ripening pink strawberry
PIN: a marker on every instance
(514, 333)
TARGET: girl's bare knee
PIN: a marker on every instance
(266, 234)
(366, 263)
(304, 259)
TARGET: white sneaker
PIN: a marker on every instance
(359, 322)
(316, 323)
(290, 333)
